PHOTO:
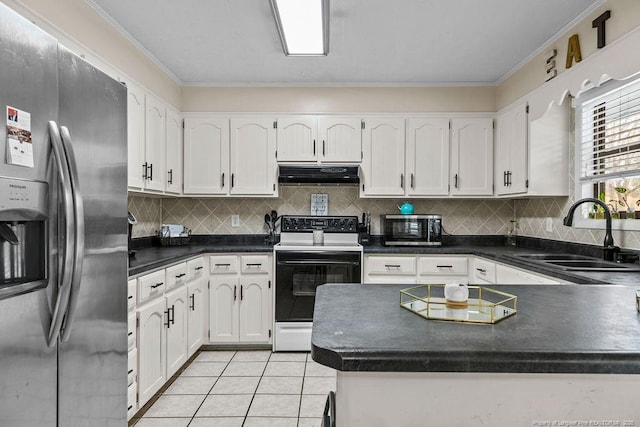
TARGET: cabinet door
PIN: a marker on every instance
(196, 315)
(154, 143)
(297, 139)
(135, 136)
(253, 157)
(340, 139)
(177, 335)
(383, 161)
(255, 309)
(174, 153)
(151, 349)
(427, 152)
(224, 301)
(511, 171)
(206, 156)
(472, 157)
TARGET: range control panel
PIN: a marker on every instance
(329, 224)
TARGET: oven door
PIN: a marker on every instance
(299, 273)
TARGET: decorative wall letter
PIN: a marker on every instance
(599, 24)
(573, 51)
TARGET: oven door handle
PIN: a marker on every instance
(315, 261)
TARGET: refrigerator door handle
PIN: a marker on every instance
(64, 284)
(79, 235)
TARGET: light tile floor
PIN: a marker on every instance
(244, 389)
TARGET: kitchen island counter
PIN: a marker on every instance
(550, 364)
(558, 328)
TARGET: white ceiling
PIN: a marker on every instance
(372, 42)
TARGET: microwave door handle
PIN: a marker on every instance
(78, 206)
(67, 213)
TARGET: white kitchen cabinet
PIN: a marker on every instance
(154, 136)
(390, 269)
(152, 348)
(319, 139)
(132, 294)
(176, 275)
(383, 157)
(253, 157)
(196, 315)
(206, 156)
(511, 151)
(240, 299)
(483, 272)
(340, 139)
(471, 157)
(427, 157)
(174, 152)
(443, 269)
(177, 333)
(132, 404)
(135, 136)
(297, 139)
(151, 285)
(507, 275)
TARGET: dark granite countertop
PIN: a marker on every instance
(558, 329)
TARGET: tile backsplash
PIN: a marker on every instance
(213, 216)
(148, 211)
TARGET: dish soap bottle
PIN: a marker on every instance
(511, 233)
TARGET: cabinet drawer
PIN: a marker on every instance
(131, 331)
(443, 266)
(150, 285)
(221, 264)
(195, 268)
(176, 275)
(484, 271)
(255, 264)
(131, 294)
(132, 366)
(132, 405)
(392, 266)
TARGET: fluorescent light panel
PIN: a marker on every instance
(303, 26)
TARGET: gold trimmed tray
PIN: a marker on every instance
(485, 305)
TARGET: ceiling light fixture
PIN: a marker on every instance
(303, 26)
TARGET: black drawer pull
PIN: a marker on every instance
(130, 333)
(129, 408)
(392, 265)
(198, 268)
(482, 270)
(255, 265)
(157, 285)
(444, 266)
(223, 265)
(131, 371)
(130, 297)
(180, 275)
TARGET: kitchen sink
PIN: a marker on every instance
(554, 257)
(579, 263)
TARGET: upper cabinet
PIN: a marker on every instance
(206, 156)
(135, 136)
(471, 157)
(512, 129)
(253, 157)
(154, 119)
(427, 157)
(383, 157)
(174, 152)
(319, 139)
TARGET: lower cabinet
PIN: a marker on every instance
(152, 349)
(240, 300)
(196, 315)
(176, 329)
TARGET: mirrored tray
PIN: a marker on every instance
(485, 305)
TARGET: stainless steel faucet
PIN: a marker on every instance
(609, 249)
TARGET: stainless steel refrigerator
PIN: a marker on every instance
(63, 235)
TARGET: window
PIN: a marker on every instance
(608, 148)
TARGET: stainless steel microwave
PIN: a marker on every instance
(412, 230)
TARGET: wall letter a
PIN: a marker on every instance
(573, 51)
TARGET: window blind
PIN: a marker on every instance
(609, 145)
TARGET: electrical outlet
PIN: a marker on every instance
(235, 220)
(548, 224)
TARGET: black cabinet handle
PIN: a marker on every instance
(509, 178)
(482, 270)
(504, 178)
(173, 314)
(223, 265)
(232, 179)
(150, 171)
(193, 302)
(170, 173)
(129, 408)
(455, 181)
(412, 183)
(180, 275)
(401, 180)
(392, 265)
(130, 297)
(129, 334)
(168, 324)
(314, 147)
(144, 168)
(198, 268)
(323, 146)
(241, 295)
(157, 284)
(235, 292)
(130, 371)
(444, 266)
(259, 264)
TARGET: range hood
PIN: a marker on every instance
(306, 174)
